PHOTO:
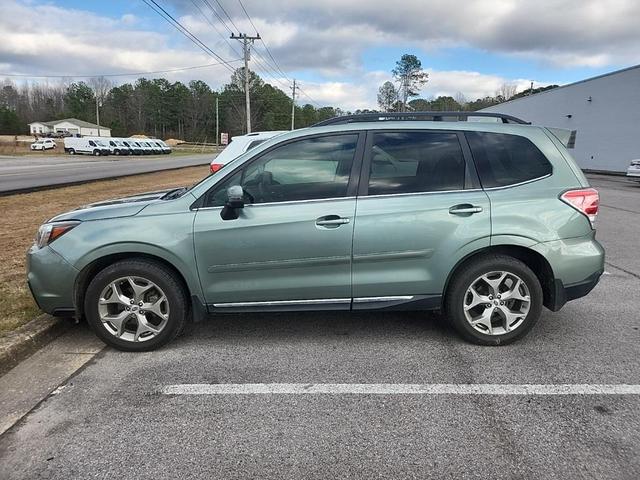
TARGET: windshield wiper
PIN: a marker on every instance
(175, 193)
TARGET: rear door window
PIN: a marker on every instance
(503, 159)
(415, 161)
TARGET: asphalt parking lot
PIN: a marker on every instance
(122, 416)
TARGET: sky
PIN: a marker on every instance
(339, 51)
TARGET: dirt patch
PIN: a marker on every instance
(23, 213)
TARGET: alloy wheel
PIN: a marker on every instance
(133, 309)
(497, 303)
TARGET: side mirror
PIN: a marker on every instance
(235, 201)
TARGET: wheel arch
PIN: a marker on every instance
(89, 271)
(532, 259)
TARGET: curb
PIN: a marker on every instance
(24, 341)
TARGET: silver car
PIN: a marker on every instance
(634, 170)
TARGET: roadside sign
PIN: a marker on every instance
(224, 138)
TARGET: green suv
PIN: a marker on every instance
(486, 220)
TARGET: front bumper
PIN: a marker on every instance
(51, 280)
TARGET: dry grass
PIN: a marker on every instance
(23, 213)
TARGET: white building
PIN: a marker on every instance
(604, 110)
(70, 125)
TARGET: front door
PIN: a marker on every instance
(291, 244)
(419, 209)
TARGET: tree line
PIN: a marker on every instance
(156, 107)
(165, 109)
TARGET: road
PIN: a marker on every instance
(120, 417)
(25, 172)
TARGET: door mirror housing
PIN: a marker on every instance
(235, 201)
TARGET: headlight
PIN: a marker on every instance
(48, 232)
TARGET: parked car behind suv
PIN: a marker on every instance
(488, 222)
(239, 145)
(634, 169)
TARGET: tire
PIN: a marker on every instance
(116, 152)
(506, 316)
(96, 153)
(72, 151)
(131, 335)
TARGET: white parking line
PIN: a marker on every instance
(398, 389)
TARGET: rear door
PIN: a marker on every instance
(419, 210)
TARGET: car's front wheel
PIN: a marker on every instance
(494, 300)
(136, 305)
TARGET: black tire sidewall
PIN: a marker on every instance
(464, 278)
(150, 271)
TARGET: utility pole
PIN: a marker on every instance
(246, 42)
(217, 124)
(293, 106)
(97, 114)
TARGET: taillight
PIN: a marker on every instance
(215, 167)
(584, 200)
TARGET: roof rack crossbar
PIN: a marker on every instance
(416, 116)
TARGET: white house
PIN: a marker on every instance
(604, 110)
(70, 125)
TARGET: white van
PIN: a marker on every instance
(86, 145)
(116, 147)
(163, 146)
(139, 143)
(155, 149)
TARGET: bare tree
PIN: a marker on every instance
(101, 87)
(461, 99)
(506, 91)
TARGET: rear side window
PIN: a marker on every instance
(415, 161)
(503, 159)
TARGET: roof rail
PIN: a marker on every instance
(417, 116)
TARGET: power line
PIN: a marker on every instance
(307, 95)
(227, 15)
(215, 12)
(185, 31)
(213, 24)
(263, 42)
(134, 74)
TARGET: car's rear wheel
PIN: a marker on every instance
(494, 300)
(136, 305)
(72, 151)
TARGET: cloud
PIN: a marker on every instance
(581, 32)
(324, 41)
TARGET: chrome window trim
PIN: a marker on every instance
(320, 301)
(419, 193)
(520, 183)
(288, 202)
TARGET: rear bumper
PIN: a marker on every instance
(566, 293)
(577, 264)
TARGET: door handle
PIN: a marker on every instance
(331, 221)
(465, 209)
